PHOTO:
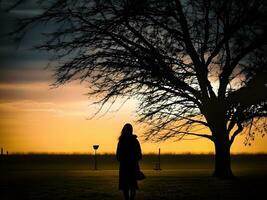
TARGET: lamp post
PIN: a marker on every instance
(95, 146)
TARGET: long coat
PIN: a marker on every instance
(128, 154)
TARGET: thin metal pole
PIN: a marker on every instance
(159, 158)
(95, 161)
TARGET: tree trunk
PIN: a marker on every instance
(222, 158)
(216, 118)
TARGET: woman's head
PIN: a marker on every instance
(126, 131)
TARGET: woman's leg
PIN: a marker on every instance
(132, 194)
(126, 194)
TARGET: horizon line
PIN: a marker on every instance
(109, 153)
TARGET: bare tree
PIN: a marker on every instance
(198, 67)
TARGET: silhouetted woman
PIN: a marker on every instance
(128, 154)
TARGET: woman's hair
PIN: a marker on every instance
(126, 131)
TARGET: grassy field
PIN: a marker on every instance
(183, 177)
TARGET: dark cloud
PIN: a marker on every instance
(13, 95)
(33, 72)
(23, 72)
(20, 63)
(12, 51)
(41, 92)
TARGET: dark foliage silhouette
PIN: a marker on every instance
(128, 154)
(198, 67)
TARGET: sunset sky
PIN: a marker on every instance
(38, 118)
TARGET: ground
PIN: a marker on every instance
(77, 184)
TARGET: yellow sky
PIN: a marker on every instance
(36, 118)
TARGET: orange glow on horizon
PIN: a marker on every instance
(41, 119)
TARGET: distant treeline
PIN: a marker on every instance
(108, 161)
